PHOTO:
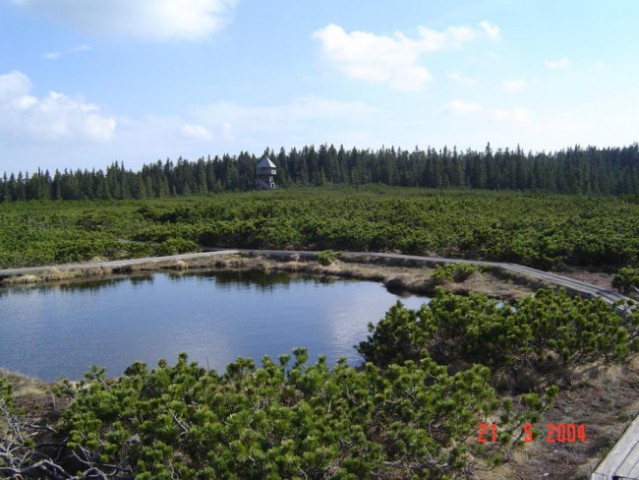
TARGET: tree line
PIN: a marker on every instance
(576, 170)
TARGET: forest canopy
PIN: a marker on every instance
(577, 170)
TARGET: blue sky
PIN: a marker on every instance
(84, 83)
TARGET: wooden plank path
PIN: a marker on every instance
(111, 265)
(622, 463)
(576, 286)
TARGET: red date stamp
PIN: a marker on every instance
(555, 433)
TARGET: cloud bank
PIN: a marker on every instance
(145, 19)
(55, 117)
(393, 60)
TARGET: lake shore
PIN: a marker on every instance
(397, 274)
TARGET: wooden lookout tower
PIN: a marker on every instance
(265, 175)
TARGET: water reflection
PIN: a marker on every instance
(253, 280)
(92, 285)
(53, 331)
(141, 279)
(85, 285)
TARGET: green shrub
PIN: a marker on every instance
(478, 329)
(544, 231)
(627, 280)
(173, 246)
(327, 257)
(454, 272)
(288, 419)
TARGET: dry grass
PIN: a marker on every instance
(96, 272)
(21, 280)
(491, 285)
(527, 281)
(25, 389)
(56, 275)
(601, 279)
(602, 396)
(179, 265)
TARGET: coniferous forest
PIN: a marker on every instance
(577, 170)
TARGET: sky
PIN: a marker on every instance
(84, 83)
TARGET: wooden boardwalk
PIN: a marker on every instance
(575, 286)
(622, 463)
(111, 265)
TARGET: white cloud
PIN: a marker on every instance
(147, 19)
(491, 30)
(453, 37)
(52, 55)
(517, 114)
(499, 114)
(13, 85)
(393, 60)
(461, 108)
(57, 54)
(55, 117)
(520, 114)
(559, 64)
(197, 132)
(366, 56)
(227, 131)
(461, 79)
(80, 48)
(514, 86)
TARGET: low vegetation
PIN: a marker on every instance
(454, 272)
(531, 341)
(411, 410)
(545, 231)
(627, 280)
(326, 257)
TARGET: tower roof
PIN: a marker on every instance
(265, 162)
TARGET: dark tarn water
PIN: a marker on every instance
(61, 331)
